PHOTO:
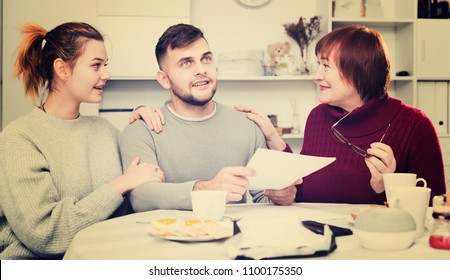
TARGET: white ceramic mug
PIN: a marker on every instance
(208, 204)
(393, 180)
(413, 200)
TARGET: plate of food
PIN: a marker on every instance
(190, 230)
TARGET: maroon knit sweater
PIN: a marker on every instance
(411, 136)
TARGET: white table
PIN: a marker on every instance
(128, 238)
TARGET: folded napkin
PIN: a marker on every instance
(279, 237)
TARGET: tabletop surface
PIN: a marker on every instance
(128, 237)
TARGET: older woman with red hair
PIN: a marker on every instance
(368, 131)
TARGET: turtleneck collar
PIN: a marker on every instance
(374, 115)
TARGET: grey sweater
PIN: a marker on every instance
(189, 150)
(53, 182)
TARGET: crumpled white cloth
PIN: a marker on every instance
(263, 237)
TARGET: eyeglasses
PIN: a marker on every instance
(345, 141)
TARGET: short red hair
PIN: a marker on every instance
(361, 56)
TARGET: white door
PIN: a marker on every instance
(433, 49)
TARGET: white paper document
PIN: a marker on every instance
(278, 170)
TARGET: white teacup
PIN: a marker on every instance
(393, 180)
(208, 204)
(414, 200)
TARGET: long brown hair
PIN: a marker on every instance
(362, 58)
(35, 57)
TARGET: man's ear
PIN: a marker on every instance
(62, 69)
(163, 79)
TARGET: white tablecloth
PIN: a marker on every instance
(128, 237)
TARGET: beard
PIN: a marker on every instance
(192, 100)
(188, 98)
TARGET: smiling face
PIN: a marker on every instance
(335, 90)
(354, 67)
(89, 74)
(190, 74)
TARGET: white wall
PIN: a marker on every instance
(231, 27)
(1, 60)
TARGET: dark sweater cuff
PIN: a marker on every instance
(287, 149)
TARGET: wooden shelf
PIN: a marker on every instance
(373, 22)
(221, 78)
(266, 78)
(292, 136)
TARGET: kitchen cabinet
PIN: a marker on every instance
(433, 44)
(433, 76)
(432, 98)
(132, 29)
(445, 145)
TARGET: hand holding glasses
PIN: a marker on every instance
(345, 141)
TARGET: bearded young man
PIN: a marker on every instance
(205, 145)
